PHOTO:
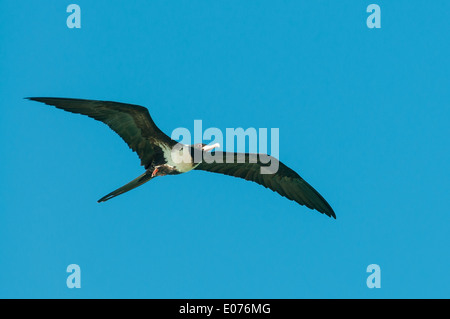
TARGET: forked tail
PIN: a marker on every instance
(133, 184)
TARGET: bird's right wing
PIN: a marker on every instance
(284, 181)
(133, 123)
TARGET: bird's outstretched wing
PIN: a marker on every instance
(284, 181)
(132, 122)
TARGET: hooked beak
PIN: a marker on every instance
(207, 148)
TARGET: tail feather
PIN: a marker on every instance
(133, 184)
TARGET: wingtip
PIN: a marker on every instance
(326, 209)
(331, 214)
(37, 99)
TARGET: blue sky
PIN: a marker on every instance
(363, 116)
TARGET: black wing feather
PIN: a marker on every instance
(285, 181)
(132, 123)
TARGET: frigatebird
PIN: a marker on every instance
(135, 126)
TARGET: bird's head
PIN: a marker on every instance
(205, 147)
(198, 149)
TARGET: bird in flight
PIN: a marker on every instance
(135, 126)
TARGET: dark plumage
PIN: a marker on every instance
(135, 126)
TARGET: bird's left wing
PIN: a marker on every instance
(284, 181)
(132, 123)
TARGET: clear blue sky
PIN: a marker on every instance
(363, 116)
